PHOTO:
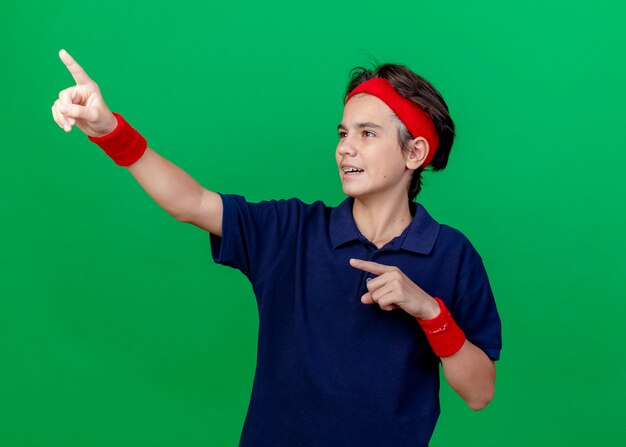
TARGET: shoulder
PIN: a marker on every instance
(447, 236)
(295, 201)
(454, 237)
(453, 242)
(291, 206)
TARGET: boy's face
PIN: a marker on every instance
(368, 140)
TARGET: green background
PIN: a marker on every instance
(117, 329)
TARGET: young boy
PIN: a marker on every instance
(358, 304)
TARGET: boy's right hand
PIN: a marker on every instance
(82, 105)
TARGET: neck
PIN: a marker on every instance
(381, 220)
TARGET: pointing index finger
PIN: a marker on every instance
(76, 70)
(369, 266)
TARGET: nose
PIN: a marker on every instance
(346, 147)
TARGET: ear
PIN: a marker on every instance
(418, 152)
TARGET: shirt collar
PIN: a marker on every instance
(419, 236)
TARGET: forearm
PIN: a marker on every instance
(171, 187)
(471, 374)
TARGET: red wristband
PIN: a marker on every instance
(124, 145)
(442, 332)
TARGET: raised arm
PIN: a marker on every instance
(182, 197)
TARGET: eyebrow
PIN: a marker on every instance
(362, 125)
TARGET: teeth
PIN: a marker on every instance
(352, 170)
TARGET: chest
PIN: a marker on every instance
(315, 285)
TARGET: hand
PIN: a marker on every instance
(82, 105)
(392, 289)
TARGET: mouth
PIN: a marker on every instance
(351, 171)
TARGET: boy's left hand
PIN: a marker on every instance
(392, 289)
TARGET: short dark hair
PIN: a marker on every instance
(420, 91)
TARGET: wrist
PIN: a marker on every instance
(443, 334)
(431, 310)
(124, 144)
(109, 127)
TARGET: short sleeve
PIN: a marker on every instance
(474, 307)
(254, 234)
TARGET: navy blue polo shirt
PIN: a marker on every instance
(332, 371)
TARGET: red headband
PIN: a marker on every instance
(413, 116)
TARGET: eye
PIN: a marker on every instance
(341, 134)
(369, 132)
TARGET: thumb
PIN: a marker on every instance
(367, 298)
(89, 114)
